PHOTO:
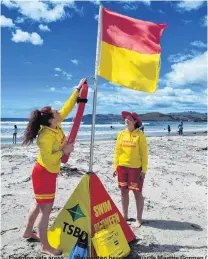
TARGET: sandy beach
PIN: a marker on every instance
(175, 191)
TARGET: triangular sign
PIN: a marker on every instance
(89, 209)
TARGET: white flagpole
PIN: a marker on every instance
(97, 62)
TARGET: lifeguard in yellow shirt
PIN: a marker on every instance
(45, 124)
(130, 163)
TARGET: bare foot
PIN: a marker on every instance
(32, 235)
(138, 223)
(49, 250)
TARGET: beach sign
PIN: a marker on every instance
(88, 210)
(73, 220)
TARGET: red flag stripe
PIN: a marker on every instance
(129, 33)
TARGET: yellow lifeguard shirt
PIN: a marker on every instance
(131, 150)
(51, 141)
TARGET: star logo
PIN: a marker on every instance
(76, 212)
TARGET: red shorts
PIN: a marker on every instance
(44, 184)
(128, 178)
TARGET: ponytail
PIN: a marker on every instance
(33, 128)
(37, 119)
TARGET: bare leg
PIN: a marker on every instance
(33, 214)
(45, 210)
(140, 206)
(125, 202)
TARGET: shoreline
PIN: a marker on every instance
(148, 135)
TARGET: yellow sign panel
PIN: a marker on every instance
(73, 220)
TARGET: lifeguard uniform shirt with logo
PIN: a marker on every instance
(51, 141)
(131, 158)
(131, 150)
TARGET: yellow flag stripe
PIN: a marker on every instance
(129, 68)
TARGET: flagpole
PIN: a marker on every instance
(97, 61)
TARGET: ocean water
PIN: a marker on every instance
(104, 130)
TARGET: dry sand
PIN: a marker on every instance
(175, 192)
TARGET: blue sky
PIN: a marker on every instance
(48, 46)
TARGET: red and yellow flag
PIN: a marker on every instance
(130, 51)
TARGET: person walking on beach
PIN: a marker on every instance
(130, 163)
(15, 135)
(45, 124)
(180, 128)
(169, 129)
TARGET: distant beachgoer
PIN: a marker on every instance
(15, 135)
(111, 127)
(130, 163)
(142, 128)
(169, 129)
(45, 124)
(180, 128)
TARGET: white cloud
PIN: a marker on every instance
(195, 52)
(147, 2)
(79, 11)
(56, 75)
(57, 69)
(96, 2)
(129, 2)
(6, 22)
(68, 76)
(75, 61)
(59, 90)
(203, 21)
(22, 36)
(130, 7)
(167, 97)
(49, 11)
(96, 17)
(44, 27)
(179, 57)
(9, 3)
(198, 44)
(186, 21)
(191, 71)
(174, 97)
(188, 5)
(161, 11)
(19, 20)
